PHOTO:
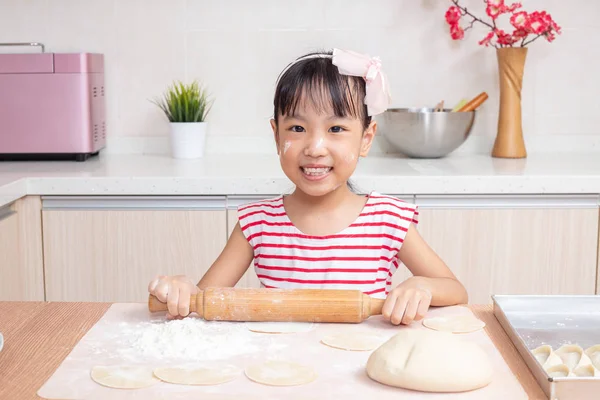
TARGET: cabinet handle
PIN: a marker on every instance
(234, 201)
(133, 203)
(6, 211)
(507, 201)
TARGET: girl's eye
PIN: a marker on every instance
(336, 129)
(297, 128)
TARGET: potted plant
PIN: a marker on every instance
(186, 106)
(511, 50)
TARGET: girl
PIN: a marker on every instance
(323, 235)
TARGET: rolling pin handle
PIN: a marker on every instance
(155, 305)
(370, 306)
(377, 306)
(196, 304)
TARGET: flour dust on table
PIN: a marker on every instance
(189, 339)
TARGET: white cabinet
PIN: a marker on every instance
(21, 263)
(515, 244)
(109, 248)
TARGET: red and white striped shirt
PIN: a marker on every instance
(362, 256)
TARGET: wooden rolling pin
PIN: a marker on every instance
(476, 102)
(289, 305)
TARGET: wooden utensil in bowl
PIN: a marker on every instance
(474, 103)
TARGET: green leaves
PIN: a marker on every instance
(185, 103)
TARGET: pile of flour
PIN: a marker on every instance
(190, 339)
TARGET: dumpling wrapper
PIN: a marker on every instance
(197, 375)
(454, 324)
(280, 373)
(123, 376)
(356, 341)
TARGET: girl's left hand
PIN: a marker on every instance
(408, 302)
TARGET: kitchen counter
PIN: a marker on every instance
(38, 336)
(569, 173)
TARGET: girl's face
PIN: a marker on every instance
(319, 151)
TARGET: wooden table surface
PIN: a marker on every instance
(38, 336)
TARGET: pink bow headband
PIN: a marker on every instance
(377, 97)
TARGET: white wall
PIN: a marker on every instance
(238, 47)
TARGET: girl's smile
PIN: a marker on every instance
(315, 172)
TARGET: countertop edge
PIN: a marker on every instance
(258, 187)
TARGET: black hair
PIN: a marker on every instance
(320, 81)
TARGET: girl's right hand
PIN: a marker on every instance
(175, 291)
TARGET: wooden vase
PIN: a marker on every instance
(509, 141)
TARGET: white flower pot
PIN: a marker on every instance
(188, 139)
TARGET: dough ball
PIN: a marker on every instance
(281, 373)
(197, 375)
(454, 324)
(430, 361)
(279, 327)
(353, 341)
(123, 376)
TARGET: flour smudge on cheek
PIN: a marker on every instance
(286, 146)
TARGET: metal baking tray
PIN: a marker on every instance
(531, 321)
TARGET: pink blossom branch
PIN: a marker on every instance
(470, 25)
(474, 19)
(464, 9)
(524, 43)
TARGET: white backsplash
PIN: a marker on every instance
(238, 47)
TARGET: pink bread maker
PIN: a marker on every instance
(52, 105)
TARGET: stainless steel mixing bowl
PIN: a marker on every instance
(423, 133)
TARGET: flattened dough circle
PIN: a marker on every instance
(279, 327)
(123, 376)
(353, 341)
(197, 375)
(454, 324)
(281, 373)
